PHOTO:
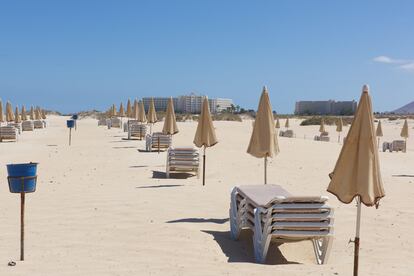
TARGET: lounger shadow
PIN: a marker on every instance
(163, 175)
(158, 186)
(200, 220)
(242, 251)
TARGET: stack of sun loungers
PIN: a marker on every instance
(396, 145)
(27, 126)
(157, 141)
(182, 160)
(137, 130)
(18, 126)
(115, 122)
(102, 122)
(38, 124)
(275, 215)
(128, 123)
(8, 133)
(324, 136)
(288, 133)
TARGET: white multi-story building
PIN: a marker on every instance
(189, 103)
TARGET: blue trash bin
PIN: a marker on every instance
(70, 123)
(75, 116)
(22, 178)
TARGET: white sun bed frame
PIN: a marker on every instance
(115, 122)
(38, 124)
(284, 218)
(8, 133)
(157, 141)
(182, 160)
(27, 126)
(137, 130)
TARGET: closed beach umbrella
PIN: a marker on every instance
(405, 134)
(287, 124)
(1, 112)
(205, 134)
(32, 113)
(43, 113)
(378, 132)
(263, 142)
(170, 124)
(141, 114)
(136, 110)
(113, 110)
(23, 113)
(339, 126)
(322, 126)
(277, 123)
(121, 112)
(38, 116)
(9, 112)
(129, 109)
(152, 114)
(357, 171)
(17, 116)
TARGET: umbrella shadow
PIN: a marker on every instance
(241, 251)
(158, 186)
(126, 147)
(118, 141)
(145, 151)
(199, 220)
(138, 167)
(163, 175)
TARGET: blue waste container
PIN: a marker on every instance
(22, 178)
(70, 123)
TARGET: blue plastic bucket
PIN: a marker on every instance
(75, 117)
(70, 123)
(22, 177)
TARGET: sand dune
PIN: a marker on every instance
(102, 207)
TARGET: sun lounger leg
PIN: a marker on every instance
(234, 218)
(322, 248)
(261, 239)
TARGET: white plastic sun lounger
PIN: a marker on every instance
(27, 126)
(182, 160)
(8, 133)
(287, 133)
(274, 214)
(102, 122)
(116, 122)
(157, 141)
(137, 130)
(18, 126)
(38, 124)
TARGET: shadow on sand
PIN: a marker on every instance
(158, 186)
(241, 251)
(163, 175)
(126, 147)
(199, 220)
(138, 167)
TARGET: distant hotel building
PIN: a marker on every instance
(189, 103)
(325, 107)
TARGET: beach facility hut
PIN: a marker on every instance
(205, 135)
(357, 171)
(263, 141)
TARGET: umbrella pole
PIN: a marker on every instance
(22, 197)
(356, 241)
(70, 135)
(405, 146)
(204, 166)
(378, 142)
(265, 170)
(339, 137)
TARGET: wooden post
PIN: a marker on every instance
(357, 234)
(265, 170)
(204, 166)
(22, 201)
(70, 135)
(158, 144)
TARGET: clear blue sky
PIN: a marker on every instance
(77, 55)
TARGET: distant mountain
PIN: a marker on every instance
(406, 109)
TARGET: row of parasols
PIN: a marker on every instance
(23, 115)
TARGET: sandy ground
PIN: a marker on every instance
(103, 207)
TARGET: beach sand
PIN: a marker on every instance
(103, 207)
